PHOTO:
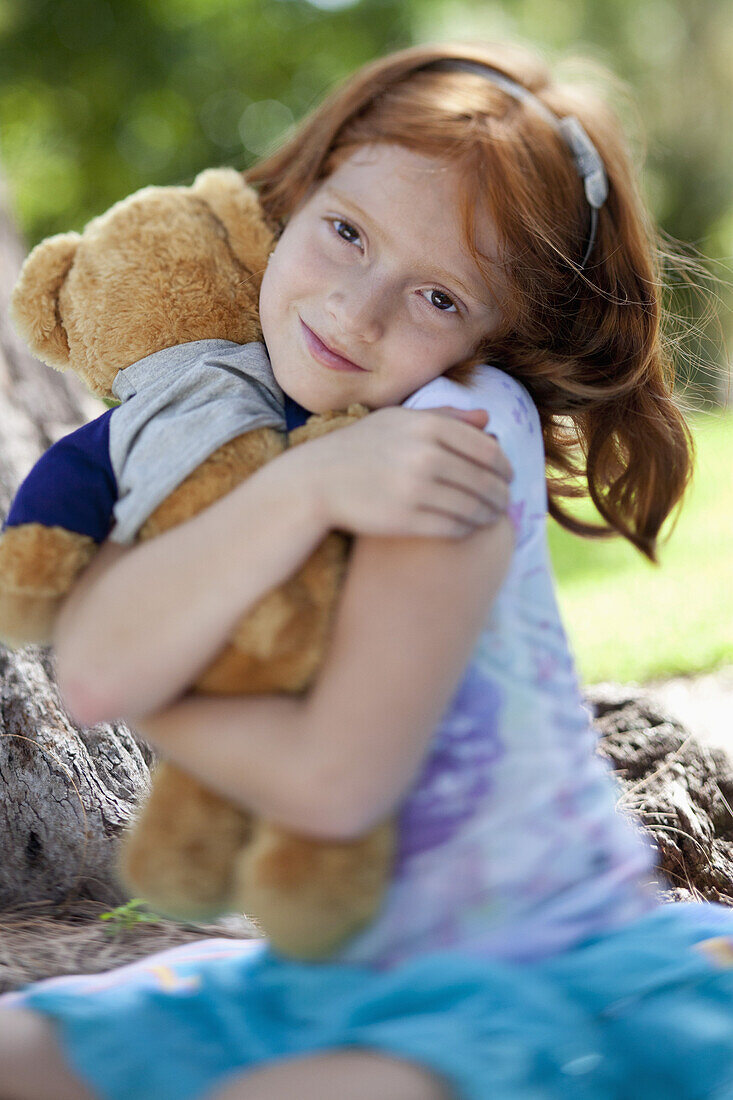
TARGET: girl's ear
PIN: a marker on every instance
(35, 302)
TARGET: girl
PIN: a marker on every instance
(449, 206)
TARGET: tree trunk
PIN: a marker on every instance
(679, 790)
(65, 793)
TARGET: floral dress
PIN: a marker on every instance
(521, 951)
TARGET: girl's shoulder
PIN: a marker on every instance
(508, 403)
(513, 419)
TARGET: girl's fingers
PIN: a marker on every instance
(474, 481)
(492, 499)
(479, 447)
(428, 524)
(435, 525)
(455, 503)
(478, 417)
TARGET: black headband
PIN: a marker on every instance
(586, 158)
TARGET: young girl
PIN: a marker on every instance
(449, 206)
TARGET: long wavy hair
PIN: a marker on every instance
(588, 345)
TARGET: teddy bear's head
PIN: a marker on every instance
(165, 266)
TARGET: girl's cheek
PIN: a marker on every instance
(264, 303)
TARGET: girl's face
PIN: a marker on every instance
(369, 293)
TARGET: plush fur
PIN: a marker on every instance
(168, 266)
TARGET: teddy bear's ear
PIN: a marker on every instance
(35, 301)
(236, 205)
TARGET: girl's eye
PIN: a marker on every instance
(350, 234)
(440, 305)
(345, 230)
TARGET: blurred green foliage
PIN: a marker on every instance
(100, 97)
(630, 620)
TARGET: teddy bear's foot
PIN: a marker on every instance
(309, 896)
(179, 855)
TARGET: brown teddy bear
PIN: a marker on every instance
(171, 266)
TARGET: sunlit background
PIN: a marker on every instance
(100, 97)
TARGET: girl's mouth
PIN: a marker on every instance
(323, 354)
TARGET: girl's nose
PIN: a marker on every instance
(357, 312)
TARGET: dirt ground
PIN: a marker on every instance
(45, 941)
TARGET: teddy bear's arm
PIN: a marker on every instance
(61, 513)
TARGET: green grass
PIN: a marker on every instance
(630, 620)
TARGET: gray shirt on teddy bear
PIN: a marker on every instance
(178, 406)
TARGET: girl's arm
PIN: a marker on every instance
(179, 594)
(336, 762)
(142, 623)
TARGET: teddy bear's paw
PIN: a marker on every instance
(180, 853)
(309, 896)
(321, 423)
(38, 566)
(26, 620)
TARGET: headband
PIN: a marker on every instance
(586, 158)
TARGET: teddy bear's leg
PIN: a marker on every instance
(179, 855)
(38, 566)
(309, 896)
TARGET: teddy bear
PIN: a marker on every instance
(181, 268)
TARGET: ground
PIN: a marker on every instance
(44, 940)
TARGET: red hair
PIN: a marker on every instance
(587, 346)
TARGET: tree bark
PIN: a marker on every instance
(678, 790)
(38, 405)
(66, 793)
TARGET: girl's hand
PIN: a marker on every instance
(405, 472)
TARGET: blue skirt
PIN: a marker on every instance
(643, 1011)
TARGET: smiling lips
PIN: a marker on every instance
(324, 354)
